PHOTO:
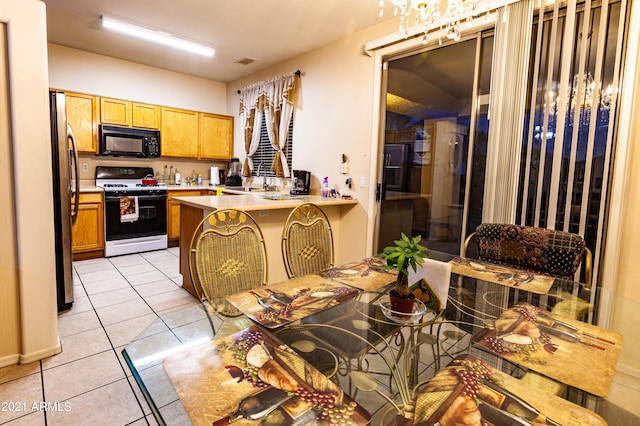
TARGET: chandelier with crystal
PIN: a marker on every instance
(584, 93)
(446, 14)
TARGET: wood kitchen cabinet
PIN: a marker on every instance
(179, 130)
(216, 136)
(87, 235)
(173, 213)
(130, 114)
(82, 115)
(115, 111)
(185, 133)
(145, 115)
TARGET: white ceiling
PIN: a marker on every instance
(267, 31)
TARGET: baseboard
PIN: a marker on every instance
(44, 353)
(8, 360)
(629, 376)
(625, 390)
(95, 254)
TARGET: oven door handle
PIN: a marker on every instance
(140, 197)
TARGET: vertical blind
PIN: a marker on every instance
(508, 92)
(569, 131)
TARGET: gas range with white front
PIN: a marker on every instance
(135, 217)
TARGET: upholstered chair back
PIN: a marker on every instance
(548, 251)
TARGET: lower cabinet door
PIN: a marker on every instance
(88, 232)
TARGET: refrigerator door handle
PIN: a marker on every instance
(75, 193)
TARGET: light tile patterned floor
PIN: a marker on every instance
(89, 383)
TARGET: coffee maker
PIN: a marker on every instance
(233, 176)
(301, 182)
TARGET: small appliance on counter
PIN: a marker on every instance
(214, 178)
(301, 182)
(233, 177)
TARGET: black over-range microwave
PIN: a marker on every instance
(120, 141)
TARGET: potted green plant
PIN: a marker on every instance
(406, 252)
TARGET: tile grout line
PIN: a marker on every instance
(92, 308)
(44, 398)
(113, 349)
(158, 317)
(142, 410)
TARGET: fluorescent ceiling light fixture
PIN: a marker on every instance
(156, 36)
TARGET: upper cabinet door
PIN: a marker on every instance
(115, 111)
(82, 115)
(216, 136)
(145, 115)
(179, 133)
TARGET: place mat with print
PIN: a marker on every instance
(368, 274)
(569, 351)
(472, 392)
(254, 371)
(282, 303)
(503, 275)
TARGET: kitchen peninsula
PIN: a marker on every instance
(270, 210)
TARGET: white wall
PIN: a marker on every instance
(84, 72)
(621, 289)
(28, 260)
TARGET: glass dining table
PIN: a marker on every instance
(378, 364)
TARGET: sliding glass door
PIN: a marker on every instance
(548, 158)
(435, 143)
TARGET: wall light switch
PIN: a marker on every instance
(363, 182)
(85, 167)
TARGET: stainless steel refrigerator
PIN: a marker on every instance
(65, 184)
(396, 166)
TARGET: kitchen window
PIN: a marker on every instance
(266, 153)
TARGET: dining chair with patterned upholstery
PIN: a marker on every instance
(307, 241)
(227, 255)
(551, 252)
(547, 251)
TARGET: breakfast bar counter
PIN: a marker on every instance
(270, 210)
(259, 201)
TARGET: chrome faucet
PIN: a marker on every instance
(265, 183)
(265, 187)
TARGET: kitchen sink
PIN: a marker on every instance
(279, 196)
(263, 190)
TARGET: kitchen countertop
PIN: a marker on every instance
(252, 201)
(90, 188)
(189, 188)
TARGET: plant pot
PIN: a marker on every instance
(401, 304)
